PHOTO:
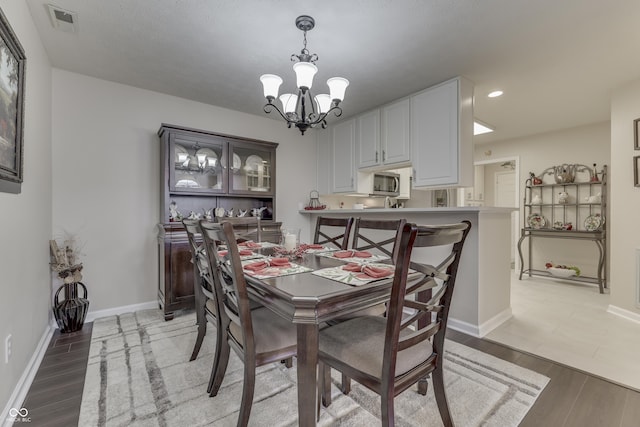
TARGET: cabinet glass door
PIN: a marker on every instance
(195, 165)
(251, 169)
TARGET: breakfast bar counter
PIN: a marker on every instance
(482, 298)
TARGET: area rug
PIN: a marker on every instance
(139, 374)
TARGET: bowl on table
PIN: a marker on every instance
(561, 272)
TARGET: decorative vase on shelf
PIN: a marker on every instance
(71, 312)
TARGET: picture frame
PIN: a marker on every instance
(636, 171)
(636, 134)
(12, 81)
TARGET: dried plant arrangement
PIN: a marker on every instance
(64, 261)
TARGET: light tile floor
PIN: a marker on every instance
(568, 323)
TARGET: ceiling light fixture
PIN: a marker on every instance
(302, 109)
(495, 94)
(480, 128)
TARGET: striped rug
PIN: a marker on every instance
(139, 374)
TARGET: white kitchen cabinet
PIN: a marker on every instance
(368, 139)
(342, 155)
(395, 132)
(324, 165)
(383, 136)
(442, 135)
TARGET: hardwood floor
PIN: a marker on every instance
(56, 392)
(572, 398)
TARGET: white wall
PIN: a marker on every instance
(624, 226)
(106, 186)
(585, 145)
(26, 217)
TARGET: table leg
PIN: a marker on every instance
(307, 373)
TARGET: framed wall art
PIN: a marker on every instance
(636, 171)
(636, 132)
(12, 69)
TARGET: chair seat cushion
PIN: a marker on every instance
(271, 332)
(360, 343)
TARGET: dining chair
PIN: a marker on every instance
(390, 354)
(333, 231)
(258, 336)
(381, 235)
(207, 307)
(245, 227)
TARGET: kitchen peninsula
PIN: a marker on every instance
(482, 298)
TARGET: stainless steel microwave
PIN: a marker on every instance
(386, 184)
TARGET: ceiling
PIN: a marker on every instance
(556, 61)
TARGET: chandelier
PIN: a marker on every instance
(302, 109)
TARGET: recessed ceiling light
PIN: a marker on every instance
(480, 128)
(495, 94)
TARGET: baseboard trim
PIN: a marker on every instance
(93, 315)
(464, 327)
(483, 329)
(625, 314)
(26, 379)
(495, 321)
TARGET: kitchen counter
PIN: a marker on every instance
(482, 298)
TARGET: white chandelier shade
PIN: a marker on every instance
(302, 109)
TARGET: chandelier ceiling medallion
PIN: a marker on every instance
(302, 109)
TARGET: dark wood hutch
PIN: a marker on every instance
(202, 171)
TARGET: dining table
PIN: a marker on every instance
(309, 300)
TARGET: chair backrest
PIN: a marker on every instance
(271, 231)
(245, 228)
(229, 278)
(382, 235)
(438, 280)
(333, 231)
(199, 257)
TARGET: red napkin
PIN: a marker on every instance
(315, 246)
(256, 266)
(352, 266)
(370, 271)
(362, 254)
(343, 254)
(222, 253)
(280, 262)
(245, 252)
(250, 244)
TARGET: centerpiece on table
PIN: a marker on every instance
(71, 311)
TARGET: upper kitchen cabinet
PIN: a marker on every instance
(383, 136)
(324, 166)
(342, 154)
(442, 135)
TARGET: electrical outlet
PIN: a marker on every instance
(7, 348)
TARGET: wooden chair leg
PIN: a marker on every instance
(441, 397)
(288, 362)
(216, 377)
(325, 379)
(202, 331)
(217, 356)
(423, 386)
(247, 395)
(387, 412)
(346, 384)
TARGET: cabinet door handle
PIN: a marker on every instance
(376, 156)
(384, 155)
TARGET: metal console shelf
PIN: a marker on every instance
(573, 207)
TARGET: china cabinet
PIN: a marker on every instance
(442, 135)
(566, 202)
(206, 173)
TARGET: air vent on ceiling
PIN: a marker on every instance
(63, 20)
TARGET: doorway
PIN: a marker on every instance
(498, 184)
